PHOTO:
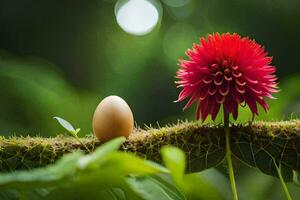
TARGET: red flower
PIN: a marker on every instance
(226, 70)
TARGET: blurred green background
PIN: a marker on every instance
(60, 58)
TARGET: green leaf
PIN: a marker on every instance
(260, 152)
(127, 163)
(66, 167)
(196, 186)
(154, 188)
(174, 159)
(41, 177)
(94, 159)
(117, 194)
(68, 126)
(86, 192)
(99, 175)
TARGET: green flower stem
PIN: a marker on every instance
(286, 191)
(228, 156)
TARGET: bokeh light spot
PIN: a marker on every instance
(137, 17)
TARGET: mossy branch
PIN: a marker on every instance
(258, 145)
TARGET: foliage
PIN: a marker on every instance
(110, 174)
(104, 174)
(257, 145)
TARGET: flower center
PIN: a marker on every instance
(225, 67)
(227, 71)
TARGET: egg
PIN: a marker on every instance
(112, 118)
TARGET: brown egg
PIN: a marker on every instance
(112, 118)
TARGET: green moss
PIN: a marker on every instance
(204, 145)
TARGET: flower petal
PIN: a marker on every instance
(235, 110)
(224, 89)
(191, 101)
(212, 89)
(240, 88)
(215, 109)
(207, 79)
(219, 77)
(251, 103)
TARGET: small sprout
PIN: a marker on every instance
(68, 126)
(71, 130)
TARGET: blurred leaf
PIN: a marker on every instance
(64, 168)
(94, 159)
(194, 185)
(175, 160)
(100, 174)
(41, 177)
(86, 192)
(94, 175)
(252, 183)
(154, 188)
(8, 194)
(121, 162)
